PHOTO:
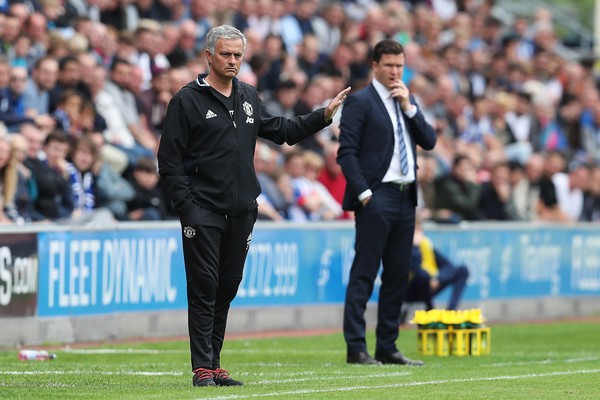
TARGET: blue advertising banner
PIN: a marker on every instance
(100, 272)
(87, 272)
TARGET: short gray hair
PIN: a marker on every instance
(222, 32)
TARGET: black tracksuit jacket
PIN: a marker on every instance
(206, 157)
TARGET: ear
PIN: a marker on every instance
(208, 56)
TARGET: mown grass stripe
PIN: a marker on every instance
(407, 384)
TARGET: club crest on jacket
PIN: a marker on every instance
(189, 232)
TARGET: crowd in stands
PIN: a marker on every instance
(84, 86)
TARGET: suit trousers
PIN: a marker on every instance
(384, 234)
(215, 247)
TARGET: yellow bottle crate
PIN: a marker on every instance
(454, 341)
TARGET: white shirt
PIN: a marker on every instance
(569, 200)
(393, 173)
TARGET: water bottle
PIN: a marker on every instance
(39, 355)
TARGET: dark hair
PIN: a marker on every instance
(56, 136)
(62, 64)
(387, 46)
(67, 94)
(459, 159)
(118, 61)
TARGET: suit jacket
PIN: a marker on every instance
(367, 142)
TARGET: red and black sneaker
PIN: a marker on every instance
(203, 377)
(221, 377)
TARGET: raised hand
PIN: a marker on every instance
(335, 104)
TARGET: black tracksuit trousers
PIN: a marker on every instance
(214, 249)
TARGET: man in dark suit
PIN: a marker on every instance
(380, 128)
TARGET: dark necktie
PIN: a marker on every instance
(401, 143)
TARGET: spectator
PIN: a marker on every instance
(591, 197)
(590, 135)
(310, 60)
(495, 201)
(274, 51)
(69, 78)
(148, 42)
(154, 101)
(37, 94)
(201, 12)
(298, 24)
(332, 178)
(36, 28)
(20, 53)
(55, 199)
(459, 191)
(525, 191)
(148, 204)
(27, 191)
(35, 140)
(548, 207)
(309, 194)
(112, 191)
(271, 203)
(284, 100)
(84, 155)
(117, 106)
(431, 272)
(12, 107)
(185, 48)
(68, 114)
(11, 29)
(328, 26)
(570, 188)
(8, 182)
(522, 128)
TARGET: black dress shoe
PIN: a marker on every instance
(398, 358)
(362, 357)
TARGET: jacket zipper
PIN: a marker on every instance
(237, 151)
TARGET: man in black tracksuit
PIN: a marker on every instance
(206, 159)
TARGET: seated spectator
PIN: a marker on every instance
(331, 176)
(495, 201)
(36, 98)
(591, 197)
(83, 157)
(68, 114)
(55, 200)
(12, 109)
(431, 273)
(459, 191)
(525, 192)
(112, 190)
(570, 188)
(148, 204)
(548, 207)
(309, 193)
(8, 182)
(27, 190)
(271, 203)
(284, 100)
(117, 105)
(427, 173)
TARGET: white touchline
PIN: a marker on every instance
(418, 383)
(122, 351)
(292, 380)
(547, 361)
(82, 372)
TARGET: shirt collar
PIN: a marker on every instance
(383, 92)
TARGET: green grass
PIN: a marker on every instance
(538, 361)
